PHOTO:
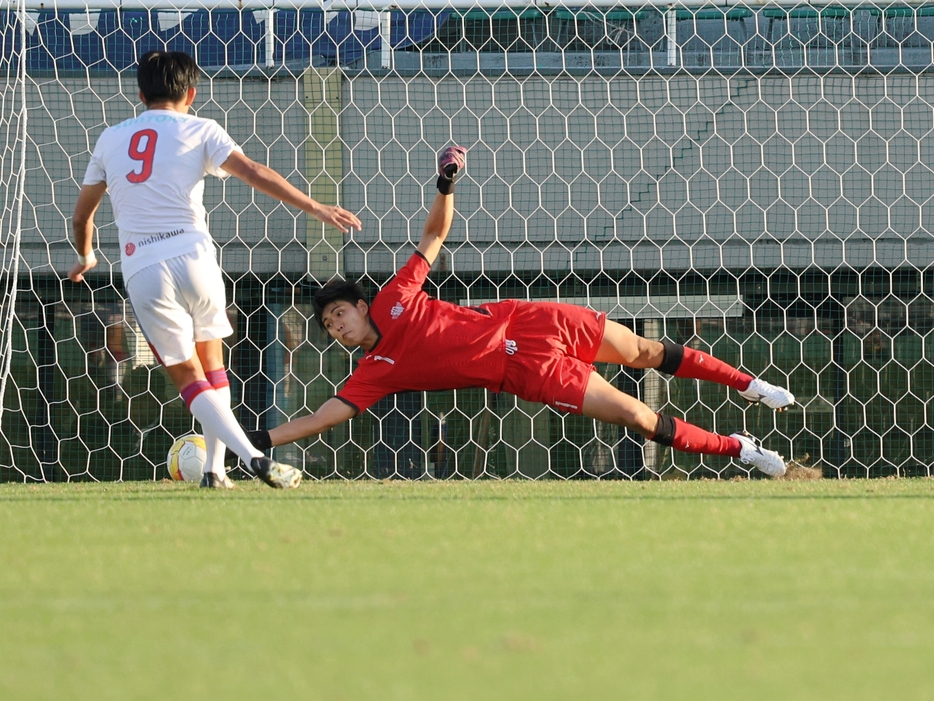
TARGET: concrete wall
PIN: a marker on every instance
(564, 173)
(652, 172)
(269, 119)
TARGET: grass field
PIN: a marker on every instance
(468, 591)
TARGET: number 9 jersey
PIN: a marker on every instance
(154, 166)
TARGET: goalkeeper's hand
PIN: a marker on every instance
(451, 162)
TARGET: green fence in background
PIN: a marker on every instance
(855, 347)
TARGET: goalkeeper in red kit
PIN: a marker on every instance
(539, 351)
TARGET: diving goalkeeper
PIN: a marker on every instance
(539, 351)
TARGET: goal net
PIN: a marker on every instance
(754, 181)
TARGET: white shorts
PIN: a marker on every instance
(180, 301)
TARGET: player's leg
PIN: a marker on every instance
(217, 420)
(604, 402)
(193, 316)
(220, 428)
(170, 300)
(211, 355)
(200, 280)
(623, 347)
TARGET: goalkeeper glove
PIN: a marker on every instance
(452, 161)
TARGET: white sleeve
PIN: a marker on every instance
(217, 149)
(95, 172)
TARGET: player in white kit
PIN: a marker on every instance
(153, 166)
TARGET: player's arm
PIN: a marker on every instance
(82, 224)
(269, 182)
(437, 227)
(331, 413)
(451, 163)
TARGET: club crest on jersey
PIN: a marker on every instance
(130, 249)
(396, 310)
(511, 347)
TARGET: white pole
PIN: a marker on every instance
(671, 23)
(270, 38)
(16, 232)
(652, 384)
(385, 39)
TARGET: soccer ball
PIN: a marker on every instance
(186, 458)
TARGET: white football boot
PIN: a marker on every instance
(768, 461)
(773, 396)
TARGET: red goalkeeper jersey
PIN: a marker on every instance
(427, 344)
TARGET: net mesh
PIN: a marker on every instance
(753, 182)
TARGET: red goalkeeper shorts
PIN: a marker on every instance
(550, 349)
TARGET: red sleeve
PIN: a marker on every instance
(360, 394)
(369, 383)
(411, 276)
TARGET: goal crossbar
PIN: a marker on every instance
(378, 5)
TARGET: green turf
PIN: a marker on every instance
(473, 591)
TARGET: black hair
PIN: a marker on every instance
(166, 75)
(336, 290)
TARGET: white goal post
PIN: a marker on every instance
(753, 179)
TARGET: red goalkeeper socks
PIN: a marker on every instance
(689, 438)
(682, 361)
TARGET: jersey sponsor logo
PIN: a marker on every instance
(565, 405)
(161, 236)
(156, 238)
(396, 310)
(511, 347)
(152, 238)
(383, 358)
(158, 117)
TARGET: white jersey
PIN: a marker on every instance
(154, 166)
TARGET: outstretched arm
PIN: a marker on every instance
(269, 182)
(331, 413)
(437, 227)
(451, 163)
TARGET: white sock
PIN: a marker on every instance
(217, 418)
(215, 446)
(215, 451)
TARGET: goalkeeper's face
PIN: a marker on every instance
(349, 323)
